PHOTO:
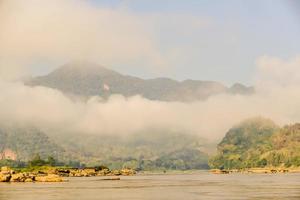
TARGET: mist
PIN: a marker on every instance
(30, 33)
(276, 98)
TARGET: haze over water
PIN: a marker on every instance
(201, 185)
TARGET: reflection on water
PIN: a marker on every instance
(196, 186)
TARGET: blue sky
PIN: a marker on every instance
(242, 31)
(182, 39)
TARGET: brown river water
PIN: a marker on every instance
(196, 186)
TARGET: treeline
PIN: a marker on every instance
(37, 161)
(258, 143)
(184, 159)
(145, 150)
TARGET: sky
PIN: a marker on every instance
(190, 39)
(227, 49)
(251, 42)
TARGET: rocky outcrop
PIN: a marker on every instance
(49, 178)
(88, 172)
(22, 177)
(8, 175)
(5, 177)
(56, 174)
(5, 174)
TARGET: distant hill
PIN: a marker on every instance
(148, 150)
(88, 79)
(26, 142)
(258, 143)
(144, 151)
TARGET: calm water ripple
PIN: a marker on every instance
(167, 187)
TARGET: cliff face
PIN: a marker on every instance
(258, 143)
(8, 154)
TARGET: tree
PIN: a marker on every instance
(51, 161)
(37, 161)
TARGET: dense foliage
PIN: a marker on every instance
(27, 141)
(153, 150)
(258, 143)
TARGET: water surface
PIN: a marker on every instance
(195, 186)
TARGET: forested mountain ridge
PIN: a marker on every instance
(89, 79)
(142, 151)
(258, 143)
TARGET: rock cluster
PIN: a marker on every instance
(88, 172)
(56, 174)
(219, 171)
(8, 175)
(271, 170)
(257, 170)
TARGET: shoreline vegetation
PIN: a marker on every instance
(256, 145)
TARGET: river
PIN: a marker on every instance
(196, 186)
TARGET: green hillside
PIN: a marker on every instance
(27, 141)
(258, 143)
(149, 150)
(146, 150)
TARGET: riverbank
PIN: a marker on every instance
(54, 174)
(269, 170)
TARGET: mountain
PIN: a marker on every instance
(147, 150)
(258, 143)
(238, 88)
(88, 79)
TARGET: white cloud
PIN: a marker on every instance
(54, 31)
(72, 29)
(50, 109)
(33, 30)
(277, 73)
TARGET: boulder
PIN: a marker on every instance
(128, 172)
(5, 177)
(103, 172)
(18, 177)
(22, 177)
(89, 172)
(49, 178)
(116, 172)
(28, 180)
(6, 170)
(63, 172)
